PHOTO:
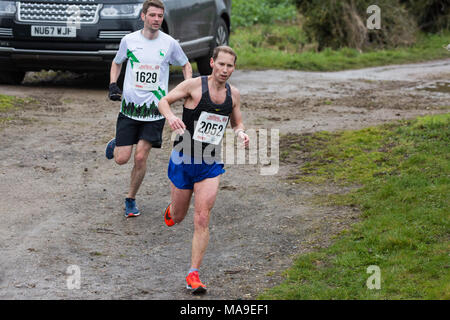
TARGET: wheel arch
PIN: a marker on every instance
(227, 20)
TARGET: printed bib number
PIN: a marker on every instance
(146, 76)
(210, 128)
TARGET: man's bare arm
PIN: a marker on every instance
(115, 94)
(236, 115)
(236, 118)
(187, 71)
(114, 72)
(181, 91)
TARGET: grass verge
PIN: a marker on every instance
(9, 104)
(284, 46)
(404, 171)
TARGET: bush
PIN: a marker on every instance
(337, 24)
(248, 12)
(431, 15)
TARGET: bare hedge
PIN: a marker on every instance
(430, 15)
(342, 23)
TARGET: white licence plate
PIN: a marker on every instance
(53, 31)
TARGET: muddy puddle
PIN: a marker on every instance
(440, 86)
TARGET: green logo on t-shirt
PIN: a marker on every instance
(132, 57)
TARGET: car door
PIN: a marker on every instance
(196, 23)
(172, 15)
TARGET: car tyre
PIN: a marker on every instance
(12, 77)
(221, 38)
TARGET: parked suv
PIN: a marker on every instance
(84, 35)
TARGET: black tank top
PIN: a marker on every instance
(185, 143)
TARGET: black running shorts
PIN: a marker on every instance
(130, 131)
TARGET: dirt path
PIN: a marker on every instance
(63, 201)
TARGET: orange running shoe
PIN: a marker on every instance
(167, 218)
(194, 284)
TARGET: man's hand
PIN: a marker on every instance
(176, 124)
(115, 94)
(244, 137)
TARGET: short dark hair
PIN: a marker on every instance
(152, 3)
(225, 49)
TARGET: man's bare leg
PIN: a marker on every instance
(122, 154)
(205, 196)
(140, 167)
(181, 199)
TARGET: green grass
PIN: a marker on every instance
(284, 46)
(249, 12)
(9, 104)
(403, 169)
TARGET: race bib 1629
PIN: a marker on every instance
(146, 76)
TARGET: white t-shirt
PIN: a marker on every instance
(147, 72)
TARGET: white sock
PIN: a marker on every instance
(192, 270)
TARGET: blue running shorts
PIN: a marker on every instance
(184, 175)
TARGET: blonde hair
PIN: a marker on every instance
(225, 49)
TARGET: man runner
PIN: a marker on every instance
(149, 52)
(194, 166)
